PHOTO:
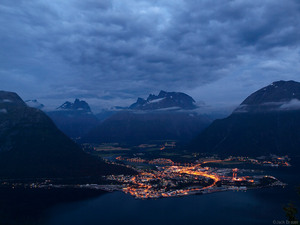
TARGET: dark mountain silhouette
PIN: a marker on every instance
(32, 147)
(266, 122)
(280, 95)
(161, 117)
(135, 128)
(74, 119)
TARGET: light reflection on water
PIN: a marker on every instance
(260, 206)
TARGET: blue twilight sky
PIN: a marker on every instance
(111, 52)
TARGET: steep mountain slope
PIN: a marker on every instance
(31, 146)
(74, 119)
(266, 122)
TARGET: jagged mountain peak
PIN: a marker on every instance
(74, 118)
(78, 105)
(165, 100)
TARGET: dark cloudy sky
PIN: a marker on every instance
(110, 52)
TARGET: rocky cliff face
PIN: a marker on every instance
(165, 100)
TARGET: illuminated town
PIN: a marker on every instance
(162, 177)
(174, 179)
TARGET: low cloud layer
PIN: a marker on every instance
(291, 105)
(111, 52)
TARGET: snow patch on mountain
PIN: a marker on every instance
(78, 105)
(156, 100)
(3, 111)
(7, 100)
(165, 100)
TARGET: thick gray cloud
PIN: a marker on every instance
(110, 52)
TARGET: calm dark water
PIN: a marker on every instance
(252, 207)
(260, 206)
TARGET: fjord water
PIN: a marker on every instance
(252, 207)
(260, 206)
(44, 207)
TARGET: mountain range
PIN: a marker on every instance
(265, 122)
(167, 116)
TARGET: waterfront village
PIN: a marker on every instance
(166, 178)
(171, 179)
